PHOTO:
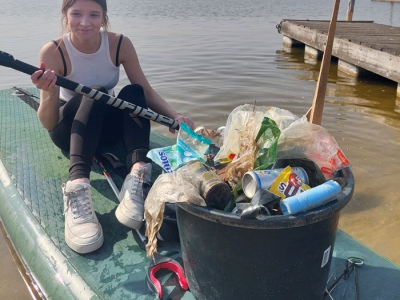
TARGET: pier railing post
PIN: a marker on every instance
(350, 10)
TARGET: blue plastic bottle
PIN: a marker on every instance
(311, 198)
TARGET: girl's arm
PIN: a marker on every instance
(48, 112)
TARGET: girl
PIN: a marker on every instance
(91, 55)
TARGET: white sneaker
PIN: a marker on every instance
(83, 232)
(130, 211)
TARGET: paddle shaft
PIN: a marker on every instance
(8, 60)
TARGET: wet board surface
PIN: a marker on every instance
(32, 170)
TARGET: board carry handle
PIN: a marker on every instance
(7, 60)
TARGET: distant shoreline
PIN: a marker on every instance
(398, 1)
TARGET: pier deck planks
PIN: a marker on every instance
(371, 46)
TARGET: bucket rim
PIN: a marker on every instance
(280, 221)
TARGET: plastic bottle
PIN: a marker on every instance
(311, 198)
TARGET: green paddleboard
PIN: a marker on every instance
(32, 170)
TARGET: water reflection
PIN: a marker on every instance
(372, 94)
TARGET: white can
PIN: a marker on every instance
(262, 179)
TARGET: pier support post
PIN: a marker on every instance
(351, 69)
(312, 52)
(287, 41)
(312, 55)
(397, 103)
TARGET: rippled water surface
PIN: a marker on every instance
(208, 56)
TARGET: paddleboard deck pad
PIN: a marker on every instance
(32, 170)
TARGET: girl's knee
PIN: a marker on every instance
(133, 88)
(100, 102)
(133, 93)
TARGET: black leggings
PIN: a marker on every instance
(85, 124)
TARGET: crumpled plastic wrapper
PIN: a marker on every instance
(215, 135)
(303, 139)
(178, 186)
(244, 160)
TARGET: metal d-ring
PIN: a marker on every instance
(356, 262)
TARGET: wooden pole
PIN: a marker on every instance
(317, 107)
(350, 10)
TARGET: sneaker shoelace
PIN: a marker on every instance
(136, 187)
(139, 187)
(80, 203)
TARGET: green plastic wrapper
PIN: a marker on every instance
(267, 142)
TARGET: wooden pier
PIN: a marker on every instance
(360, 46)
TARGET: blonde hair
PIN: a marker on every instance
(66, 4)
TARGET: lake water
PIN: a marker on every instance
(207, 57)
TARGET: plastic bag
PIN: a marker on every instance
(165, 157)
(216, 136)
(240, 147)
(238, 119)
(303, 139)
(246, 154)
(191, 145)
(179, 186)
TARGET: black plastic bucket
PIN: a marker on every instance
(280, 258)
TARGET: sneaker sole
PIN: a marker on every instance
(128, 222)
(86, 248)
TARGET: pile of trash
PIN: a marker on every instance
(265, 161)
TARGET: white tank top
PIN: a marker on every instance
(91, 69)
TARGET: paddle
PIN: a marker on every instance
(314, 114)
(7, 60)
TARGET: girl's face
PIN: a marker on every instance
(85, 18)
